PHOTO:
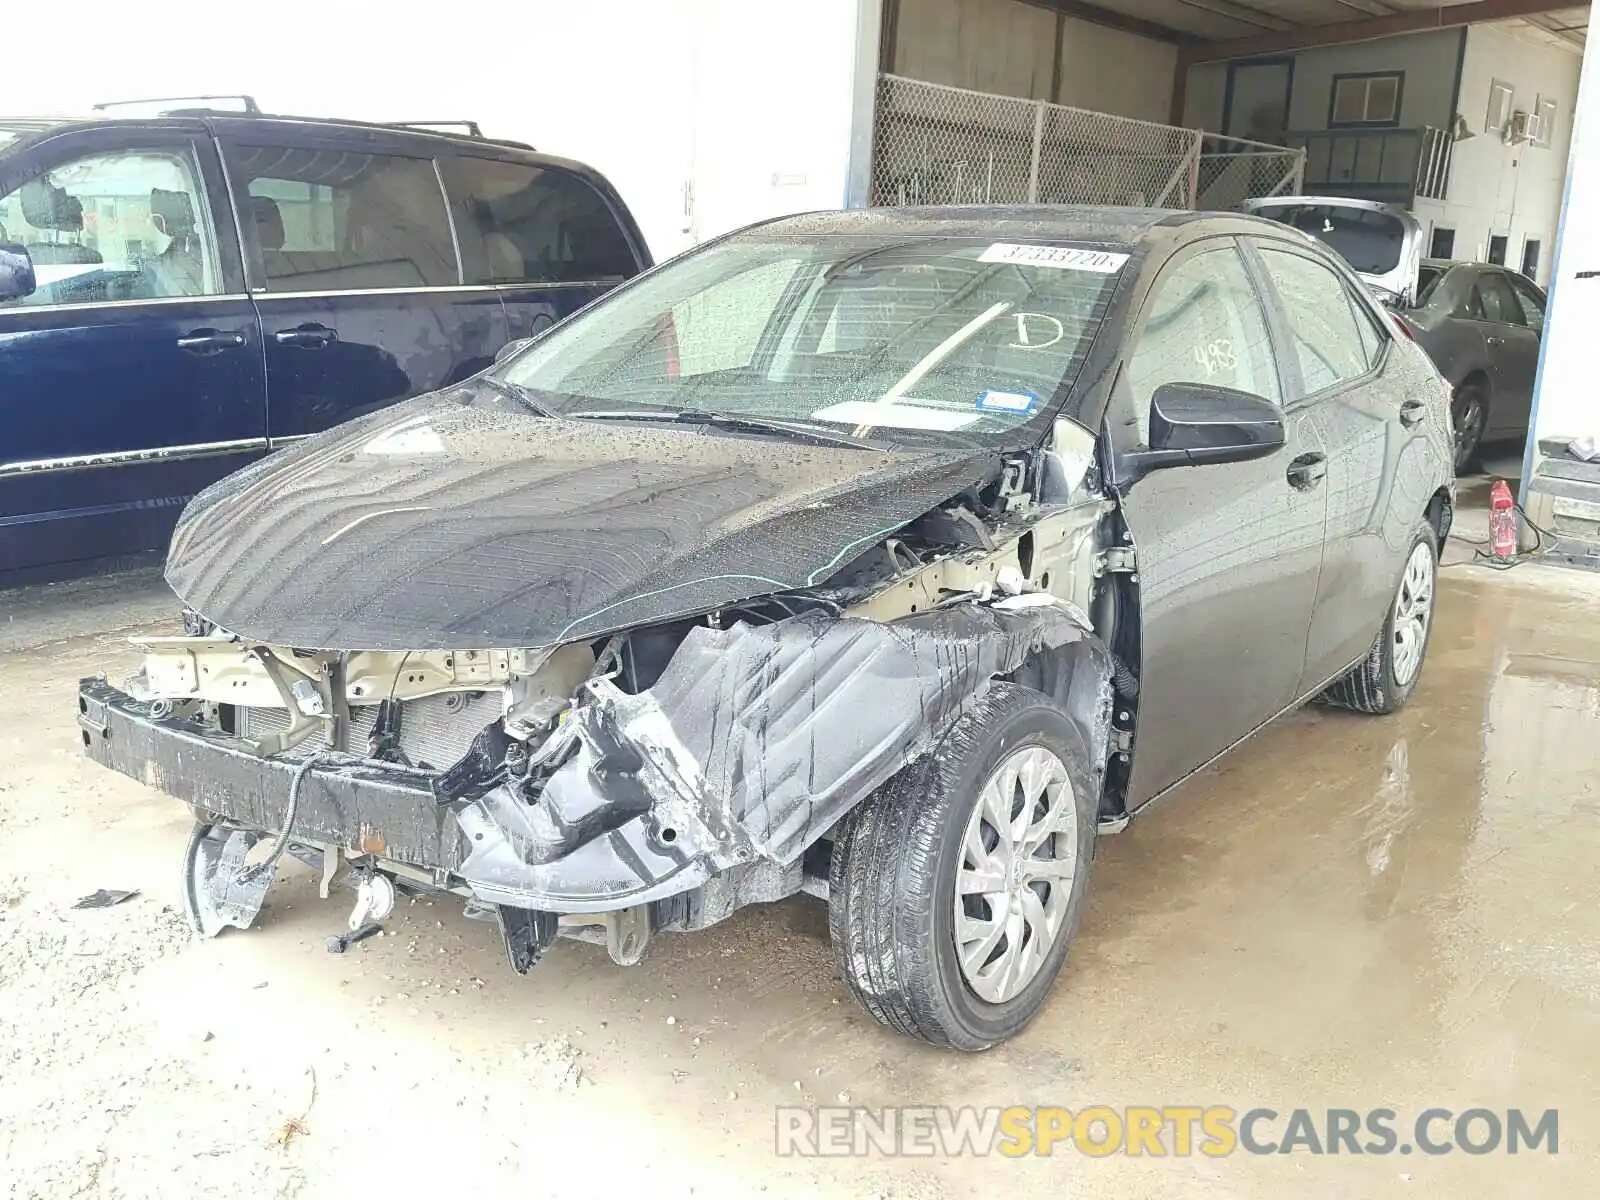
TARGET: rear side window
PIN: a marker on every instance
(329, 220)
(1323, 320)
(1498, 301)
(542, 225)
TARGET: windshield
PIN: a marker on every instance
(900, 341)
(1370, 241)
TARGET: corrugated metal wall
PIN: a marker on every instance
(1008, 47)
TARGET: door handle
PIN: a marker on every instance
(1307, 471)
(210, 341)
(1495, 341)
(1412, 412)
(309, 337)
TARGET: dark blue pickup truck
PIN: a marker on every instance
(180, 295)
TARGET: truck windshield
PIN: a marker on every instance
(910, 339)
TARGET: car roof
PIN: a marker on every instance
(1089, 223)
(30, 127)
(1445, 264)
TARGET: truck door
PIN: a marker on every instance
(352, 261)
(132, 376)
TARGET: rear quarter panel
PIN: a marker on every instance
(1456, 347)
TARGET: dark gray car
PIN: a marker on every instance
(888, 556)
(1481, 325)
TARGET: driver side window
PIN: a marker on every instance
(1203, 324)
(122, 225)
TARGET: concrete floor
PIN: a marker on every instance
(1348, 912)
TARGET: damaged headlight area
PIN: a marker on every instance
(751, 745)
(656, 778)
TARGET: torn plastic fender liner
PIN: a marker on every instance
(754, 742)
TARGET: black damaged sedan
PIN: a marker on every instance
(888, 556)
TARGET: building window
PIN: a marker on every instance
(1497, 249)
(1443, 243)
(1544, 127)
(1530, 258)
(1501, 96)
(1365, 99)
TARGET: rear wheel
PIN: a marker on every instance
(1469, 415)
(1385, 679)
(956, 889)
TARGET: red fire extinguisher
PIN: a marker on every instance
(1502, 521)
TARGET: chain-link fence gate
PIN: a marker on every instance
(943, 145)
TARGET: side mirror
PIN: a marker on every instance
(1196, 423)
(16, 272)
(513, 347)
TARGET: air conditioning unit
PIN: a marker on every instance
(1523, 127)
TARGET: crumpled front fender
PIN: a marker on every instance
(754, 743)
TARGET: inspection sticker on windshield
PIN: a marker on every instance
(1011, 402)
(1063, 258)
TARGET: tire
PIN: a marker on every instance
(893, 877)
(1469, 417)
(1383, 681)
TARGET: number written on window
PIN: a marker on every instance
(1204, 324)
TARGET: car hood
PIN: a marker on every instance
(461, 520)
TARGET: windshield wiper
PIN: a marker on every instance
(515, 391)
(743, 423)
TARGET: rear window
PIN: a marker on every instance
(1427, 279)
(542, 225)
(1371, 242)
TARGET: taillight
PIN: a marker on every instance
(1403, 326)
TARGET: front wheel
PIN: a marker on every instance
(956, 888)
(1386, 677)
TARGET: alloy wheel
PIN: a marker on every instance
(1413, 608)
(1015, 875)
(1467, 416)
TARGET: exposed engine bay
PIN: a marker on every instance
(657, 777)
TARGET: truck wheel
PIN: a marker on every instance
(1386, 677)
(956, 888)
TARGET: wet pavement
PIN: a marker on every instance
(1348, 911)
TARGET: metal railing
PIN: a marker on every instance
(935, 144)
(1395, 165)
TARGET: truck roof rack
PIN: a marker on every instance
(472, 127)
(246, 106)
(248, 103)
